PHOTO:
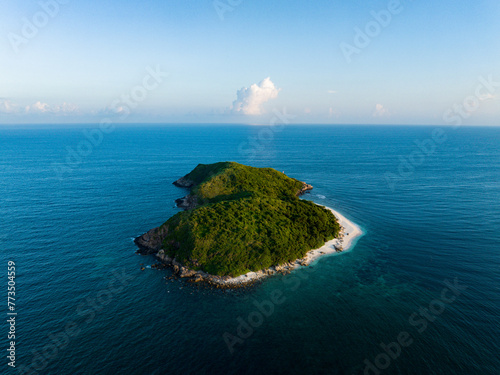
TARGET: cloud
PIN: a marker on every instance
(115, 109)
(7, 106)
(250, 100)
(380, 111)
(487, 96)
(40, 107)
(66, 108)
(332, 91)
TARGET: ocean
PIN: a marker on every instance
(418, 294)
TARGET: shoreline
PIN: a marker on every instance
(348, 235)
(349, 232)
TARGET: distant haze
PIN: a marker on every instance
(187, 61)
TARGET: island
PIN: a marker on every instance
(242, 223)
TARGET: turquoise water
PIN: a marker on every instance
(69, 232)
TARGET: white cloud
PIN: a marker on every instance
(65, 108)
(40, 107)
(332, 91)
(380, 111)
(250, 100)
(114, 110)
(487, 96)
(7, 106)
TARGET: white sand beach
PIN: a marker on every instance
(349, 232)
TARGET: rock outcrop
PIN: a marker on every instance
(152, 241)
(184, 182)
(185, 272)
(304, 189)
(188, 202)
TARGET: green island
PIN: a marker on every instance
(238, 219)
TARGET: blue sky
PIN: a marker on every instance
(233, 61)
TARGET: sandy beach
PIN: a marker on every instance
(349, 232)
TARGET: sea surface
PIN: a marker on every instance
(427, 198)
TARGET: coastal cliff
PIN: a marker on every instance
(238, 219)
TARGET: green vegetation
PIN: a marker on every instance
(248, 219)
(228, 180)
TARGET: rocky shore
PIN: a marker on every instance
(151, 243)
(179, 271)
(305, 189)
(189, 201)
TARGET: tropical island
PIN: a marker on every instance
(242, 223)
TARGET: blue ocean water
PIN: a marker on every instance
(429, 208)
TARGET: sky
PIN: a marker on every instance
(241, 61)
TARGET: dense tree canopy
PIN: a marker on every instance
(249, 219)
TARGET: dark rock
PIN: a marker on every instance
(164, 257)
(188, 202)
(183, 183)
(151, 242)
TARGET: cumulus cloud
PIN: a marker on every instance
(380, 111)
(37, 107)
(251, 100)
(7, 106)
(40, 107)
